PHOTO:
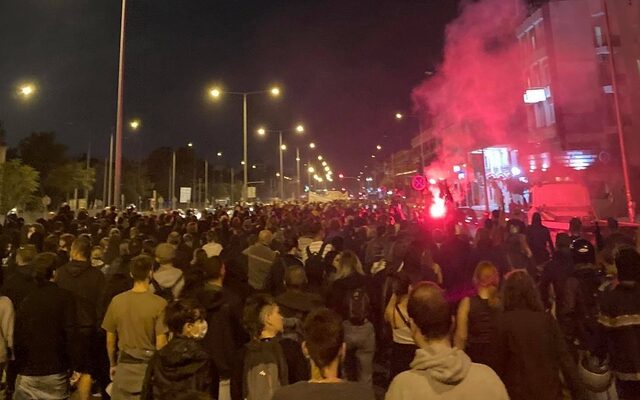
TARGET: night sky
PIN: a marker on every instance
(344, 67)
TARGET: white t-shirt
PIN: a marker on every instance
(212, 249)
(315, 247)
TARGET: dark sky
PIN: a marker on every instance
(344, 67)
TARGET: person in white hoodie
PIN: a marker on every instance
(440, 371)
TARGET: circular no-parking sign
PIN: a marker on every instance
(418, 183)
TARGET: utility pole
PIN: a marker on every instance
(616, 101)
(206, 182)
(173, 180)
(109, 203)
(297, 173)
(118, 167)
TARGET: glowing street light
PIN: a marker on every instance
(324, 163)
(311, 170)
(312, 145)
(399, 115)
(216, 93)
(27, 90)
(262, 131)
(283, 147)
(219, 154)
(378, 147)
(373, 156)
(327, 169)
(190, 144)
(300, 128)
(319, 158)
(135, 124)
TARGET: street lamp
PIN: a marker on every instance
(282, 147)
(135, 124)
(219, 154)
(378, 147)
(319, 158)
(216, 93)
(27, 90)
(399, 116)
(312, 145)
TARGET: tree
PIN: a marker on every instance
(18, 183)
(65, 178)
(42, 152)
(136, 184)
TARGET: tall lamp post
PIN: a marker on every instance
(118, 155)
(281, 148)
(216, 93)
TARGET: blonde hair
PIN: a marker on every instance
(486, 276)
(348, 265)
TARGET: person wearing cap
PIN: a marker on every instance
(619, 319)
(167, 276)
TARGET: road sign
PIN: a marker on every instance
(251, 192)
(185, 194)
(418, 183)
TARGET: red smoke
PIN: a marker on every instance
(475, 98)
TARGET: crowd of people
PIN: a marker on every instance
(316, 301)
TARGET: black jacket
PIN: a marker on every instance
(619, 319)
(87, 285)
(225, 335)
(337, 296)
(18, 285)
(181, 366)
(44, 325)
(529, 352)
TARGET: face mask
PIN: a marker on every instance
(201, 331)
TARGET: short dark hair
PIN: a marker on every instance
(212, 268)
(27, 253)
(295, 277)
(140, 267)
(323, 335)
(254, 313)
(181, 312)
(43, 266)
(429, 310)
(212, 236)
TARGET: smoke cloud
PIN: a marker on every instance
(475, 97)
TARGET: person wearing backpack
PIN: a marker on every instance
(267, 362)
(350, 298)
(314, 257)
(167, 281)
(183, 364)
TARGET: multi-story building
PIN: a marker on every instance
(566, 49)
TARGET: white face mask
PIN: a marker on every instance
(202, 328)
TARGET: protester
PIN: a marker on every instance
(324, 346)
(619, 319)
(260, 258)
(404, 348)
(296, 302)
(440, 371)
(167, 281)
(42, 356)
(135, 324)
(476, 317)
(266, 363)
(349, 297)
(87, 285)
(528, 346)
(182, 364)
(213, 247)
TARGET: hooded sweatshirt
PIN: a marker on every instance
(169, 276)
(441, 372)
(87, 285)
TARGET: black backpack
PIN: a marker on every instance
(165, 292)
(357, 305)
(315, 265)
